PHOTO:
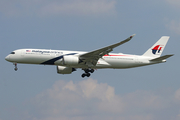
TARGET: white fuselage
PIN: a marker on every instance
(55, 57)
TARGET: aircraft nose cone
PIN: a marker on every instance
(7, 58)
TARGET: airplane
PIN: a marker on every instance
(68, 61)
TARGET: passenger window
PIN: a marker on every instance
(12, 52)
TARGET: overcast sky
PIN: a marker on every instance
(37, 92)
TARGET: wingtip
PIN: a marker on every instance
(132, 35)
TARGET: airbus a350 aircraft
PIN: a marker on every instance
(68, 61)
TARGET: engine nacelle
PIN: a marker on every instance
(70, 60)
(64, 70)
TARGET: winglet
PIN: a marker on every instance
(132, 35)
(126, 40)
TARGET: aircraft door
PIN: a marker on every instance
(23, 52)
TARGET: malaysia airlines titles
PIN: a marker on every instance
(43, 52)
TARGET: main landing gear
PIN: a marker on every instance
(87, 72)
(15, 64)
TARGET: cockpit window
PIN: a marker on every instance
(12, 52)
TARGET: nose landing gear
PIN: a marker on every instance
(87, 72)
(15, 64)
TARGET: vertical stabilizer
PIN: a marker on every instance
(157, 49)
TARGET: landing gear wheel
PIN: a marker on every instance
(15, 67)
(83, 75)
(88, 74)
(89, 70)
(92, 70)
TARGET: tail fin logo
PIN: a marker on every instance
(157, 49)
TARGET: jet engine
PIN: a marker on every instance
(65, 70)
(70, 60)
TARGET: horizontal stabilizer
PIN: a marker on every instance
(162, 58)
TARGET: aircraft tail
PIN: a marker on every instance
(157, 49)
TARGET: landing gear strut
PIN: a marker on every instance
(15, 64)
(87, 72)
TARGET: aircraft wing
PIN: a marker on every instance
(93, 56)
